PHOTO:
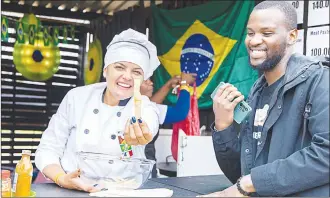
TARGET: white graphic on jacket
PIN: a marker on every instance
(259, 121)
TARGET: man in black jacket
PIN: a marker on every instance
(282, 148)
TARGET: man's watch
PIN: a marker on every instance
(239, 188)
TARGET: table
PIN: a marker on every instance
(167, 168)
(197, 184)
(181, 186)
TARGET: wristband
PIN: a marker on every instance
(183, 82)
(239, 188)
(185, 87)
(57, 177)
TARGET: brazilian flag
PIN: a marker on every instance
(46, 36)
(55, 36)
(208, 40)
(20, 32)
(32, 34)
(65, 35)
(4, 28)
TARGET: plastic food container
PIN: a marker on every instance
(114, 172)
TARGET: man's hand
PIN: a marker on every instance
(246, 184)
(229, 192)
(137, 132)
(189, 78)
(224, 103)
(72, 181)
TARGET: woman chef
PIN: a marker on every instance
(93, 118)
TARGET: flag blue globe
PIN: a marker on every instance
(197, 56)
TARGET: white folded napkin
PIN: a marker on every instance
(157, 192)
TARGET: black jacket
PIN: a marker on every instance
(298, 159)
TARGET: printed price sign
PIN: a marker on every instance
(299, 6)
(299, 46)
(318, 41)
(318, 13)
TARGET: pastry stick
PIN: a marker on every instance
(137, 98)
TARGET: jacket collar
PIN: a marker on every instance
(297, 65)
(121, 102)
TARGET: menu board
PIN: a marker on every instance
(299, 46)
(317, 43)
(299, 6)
(318, 13)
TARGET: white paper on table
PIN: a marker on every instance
(157, 192)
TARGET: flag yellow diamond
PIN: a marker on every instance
(199, 50)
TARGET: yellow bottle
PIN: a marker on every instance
(23, 176)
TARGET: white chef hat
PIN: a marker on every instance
(134, 47)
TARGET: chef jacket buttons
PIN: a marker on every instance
(113, 136)
(86, 131)
(96, 111)
(118, 114)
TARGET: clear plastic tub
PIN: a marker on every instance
(114, 172)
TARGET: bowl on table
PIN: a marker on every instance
(107, 171)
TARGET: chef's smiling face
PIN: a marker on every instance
(120, 78)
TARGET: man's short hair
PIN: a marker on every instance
(286, 8)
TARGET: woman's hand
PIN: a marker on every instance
(73, 181)
(174, 81)
(189, 78)
(137, 132)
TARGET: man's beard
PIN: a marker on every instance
(271, 62)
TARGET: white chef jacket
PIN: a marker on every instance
(84, 123)
(162, 110)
